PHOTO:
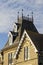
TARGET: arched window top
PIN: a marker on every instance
(15, 28)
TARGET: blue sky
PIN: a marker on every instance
(8, 15)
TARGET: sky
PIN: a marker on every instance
(8, 15)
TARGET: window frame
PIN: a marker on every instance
(10, 59)
(26, 53)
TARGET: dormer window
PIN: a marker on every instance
(10, 38)
(15, 28)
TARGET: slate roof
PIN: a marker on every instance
(10, 46)
(37, 39)
(28, 25)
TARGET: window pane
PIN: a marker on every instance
(9, 58)
(28, 53)
(25, 53)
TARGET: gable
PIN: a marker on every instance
(22, 38)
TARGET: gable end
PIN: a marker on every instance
(22, 38)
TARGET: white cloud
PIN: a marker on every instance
(39, 2)
(9, 9)
(6, 21)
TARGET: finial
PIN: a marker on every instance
(22, 9)
(18, 17)
(32, 13)
(18, 12)
(28, 15)
(32, 16)
(22, 13)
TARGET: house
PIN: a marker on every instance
(0, 58)
(24, 45)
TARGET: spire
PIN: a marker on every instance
(18, 17)
(32, 16)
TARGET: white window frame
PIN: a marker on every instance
(26, 53)
(10, 38)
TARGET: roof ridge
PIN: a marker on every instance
(32, 32)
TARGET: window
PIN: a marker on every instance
(10, 39)
(15, 28)
(0, 58)
(9, 58)
(26, 53)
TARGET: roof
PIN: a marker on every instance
(37, 39)
(15, 43)
(9, 47)
(27, 24)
